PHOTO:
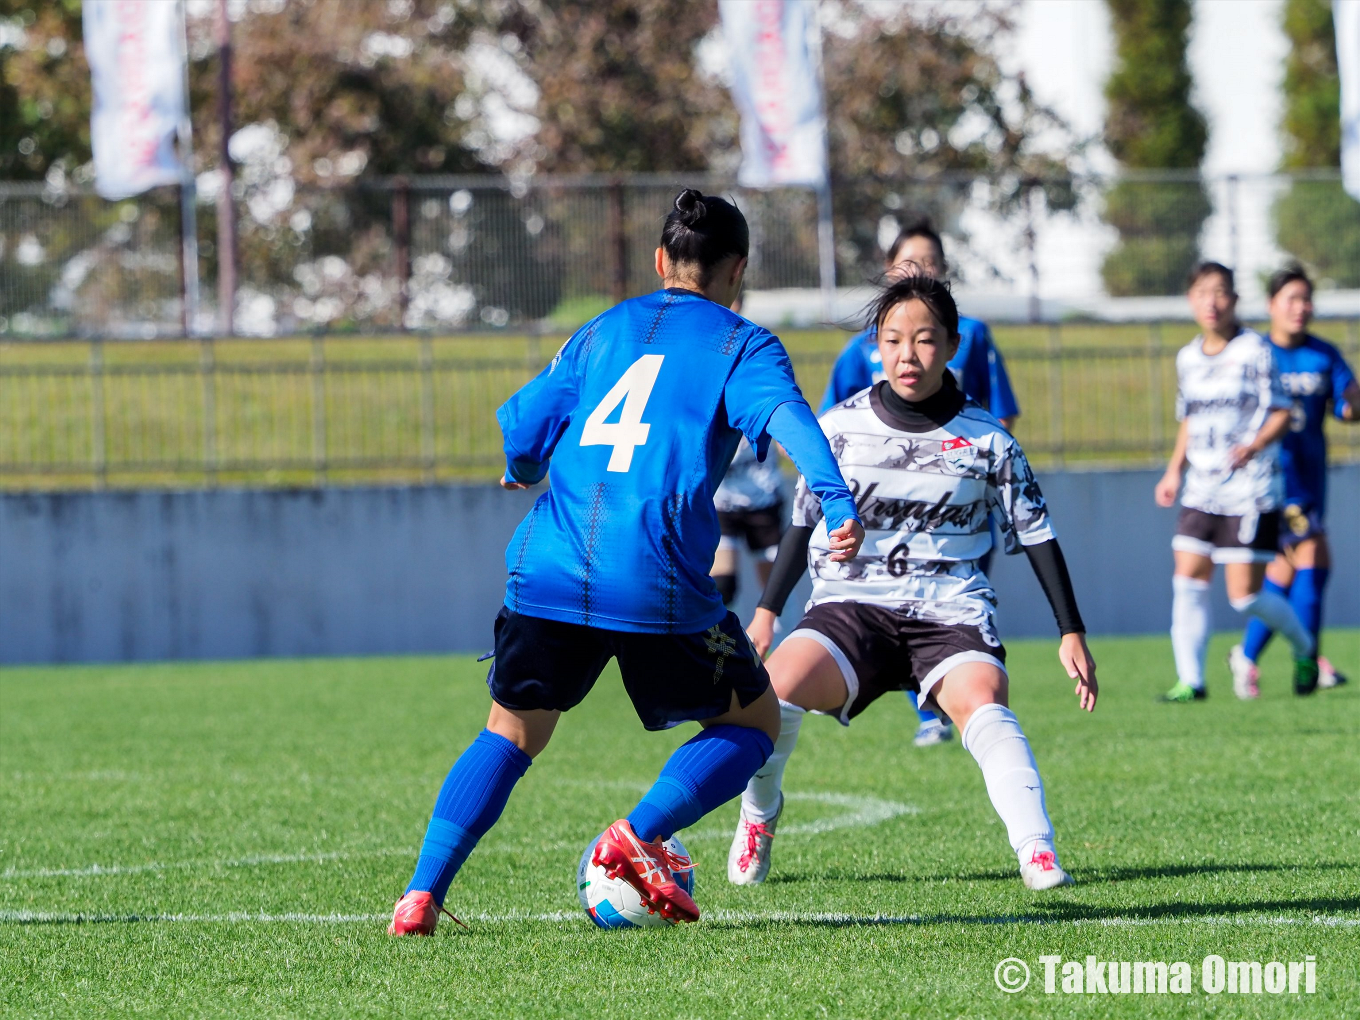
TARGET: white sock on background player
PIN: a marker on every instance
(1275, 612)
(1190, 623)
(760, 800)
(993, 736)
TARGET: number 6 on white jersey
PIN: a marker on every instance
(630, 431)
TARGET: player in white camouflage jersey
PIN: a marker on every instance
(929, 468)
(750, 505)
(1233, 411)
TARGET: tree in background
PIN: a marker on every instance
(44, 90)
(333, 92)
(618, 90)
(1315, 220)
(918, 108)
(1152, 125)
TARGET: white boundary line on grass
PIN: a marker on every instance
(718, 916)
(859, 811)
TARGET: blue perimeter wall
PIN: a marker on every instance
(114, 576)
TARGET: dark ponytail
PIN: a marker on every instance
(702, 230)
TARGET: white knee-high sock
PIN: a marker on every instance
(1190, 628)
(993, 736)
(760, 800)
(1275, 612)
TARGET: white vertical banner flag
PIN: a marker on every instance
(136, 62)
(1346, 17)
(776, 83)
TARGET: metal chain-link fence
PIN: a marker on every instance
(546, 253)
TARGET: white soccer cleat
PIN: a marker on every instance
(1244, 673)
(1327, 674)
(929, 734)
(748, 862)
(1042, 872)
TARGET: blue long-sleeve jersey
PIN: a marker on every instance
(978, 367)
(640, 413)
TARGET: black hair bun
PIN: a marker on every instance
(690, 205)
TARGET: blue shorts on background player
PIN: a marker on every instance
(978, 368)
(639, 414)
(1313, 374)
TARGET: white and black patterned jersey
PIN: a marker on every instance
(926, 499)
(1226, 398)
(749, 484)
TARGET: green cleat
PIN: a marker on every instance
(1305, 674)
(1183, 693)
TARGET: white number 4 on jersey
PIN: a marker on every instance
(633, 389)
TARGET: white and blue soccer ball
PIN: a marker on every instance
(613, 903)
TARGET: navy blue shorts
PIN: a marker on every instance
(1301, 521)
(671, 678)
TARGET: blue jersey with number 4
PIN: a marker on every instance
(640, 412)
(1312, 374)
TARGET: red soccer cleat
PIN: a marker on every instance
(417, 913)
(648, 868)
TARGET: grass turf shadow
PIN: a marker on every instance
(1066, 912)
(1085, 875)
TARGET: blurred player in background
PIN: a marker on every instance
(1233, 411)
(977, 367)
(750, 504)
(930, 469)
(613, 560)
(1313, 373)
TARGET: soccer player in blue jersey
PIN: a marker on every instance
(1314, 374)
(639, 414)
(977, 367)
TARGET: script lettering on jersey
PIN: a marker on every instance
(1233, 403)
(884, 514)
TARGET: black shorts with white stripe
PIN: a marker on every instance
(880, 650)
(1249, 538)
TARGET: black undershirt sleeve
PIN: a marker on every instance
(1049, 566)
(789, 565)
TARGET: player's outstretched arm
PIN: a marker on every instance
(1050, 567)
(1169, 485)
(795, 427)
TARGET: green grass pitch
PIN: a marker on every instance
(228, 838)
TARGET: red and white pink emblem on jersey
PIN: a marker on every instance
(957, 443)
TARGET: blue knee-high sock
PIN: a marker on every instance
(1305, 595)
(924, 714)
(1258, 634)
(703, 773)
(471, 799)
